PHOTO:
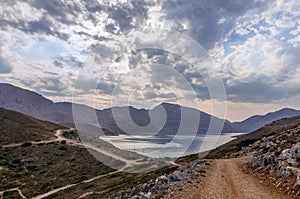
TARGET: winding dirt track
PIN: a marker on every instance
(44, 195)
(226, 180)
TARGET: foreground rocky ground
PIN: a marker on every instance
(42, 162)
(167, 185)
(276, 160)
(266, 165)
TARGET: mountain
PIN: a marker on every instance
(111, 119)
(39, 158)
(35, 105)
(255, 122)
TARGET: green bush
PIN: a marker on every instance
(3, 162)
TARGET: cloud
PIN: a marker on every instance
(208, 22)
(259, 57)
(255, 45)
(5, 67)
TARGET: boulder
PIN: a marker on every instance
(178, 176)
(295, 152)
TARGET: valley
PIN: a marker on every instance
(62, 162)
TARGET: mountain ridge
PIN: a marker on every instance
(257, 121)
(35, 105)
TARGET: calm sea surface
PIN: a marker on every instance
(168, 146)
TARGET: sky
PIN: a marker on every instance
(82, 51)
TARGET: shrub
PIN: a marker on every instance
(32, 168)
(26, 144)
(63, 142)
(62, 147)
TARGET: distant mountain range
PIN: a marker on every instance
(257, 121)
(35, 105)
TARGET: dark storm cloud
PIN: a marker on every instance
(59, 64)
(48, 24)
(106, 88)
(53, 84)
(68, 60)
(54, 7)
(43, 26)
(258, 92)
(48, 87)
(58, 13)
(5, 67)
(204, 17)
(124, 14)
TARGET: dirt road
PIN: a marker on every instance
(226, 180)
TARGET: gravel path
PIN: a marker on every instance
(226, 180)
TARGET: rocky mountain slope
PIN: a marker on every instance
(35, 105)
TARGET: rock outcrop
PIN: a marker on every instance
(278, 154)
(155, 188)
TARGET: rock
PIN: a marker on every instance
(285, 154)
(148, 195)
(161, 179)
(265, 162)
(255, 145)
(145, 186)
(296, 186)
(295, 152)
(136, 197)
(262, 144)
(285, 173)
(178, 176)
(292, 162)
(255, 154)
(295, 171)
(141, 194)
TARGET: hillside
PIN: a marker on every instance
(273, 152)
(41, 159)
(255, 122)
(16, 127)
(35, 105)
(244, 140)
(49, 161)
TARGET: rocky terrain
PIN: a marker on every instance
(165, 186)
(277, 157)
(262, 164)
(275, 152)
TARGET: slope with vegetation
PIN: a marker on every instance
(38, 160)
